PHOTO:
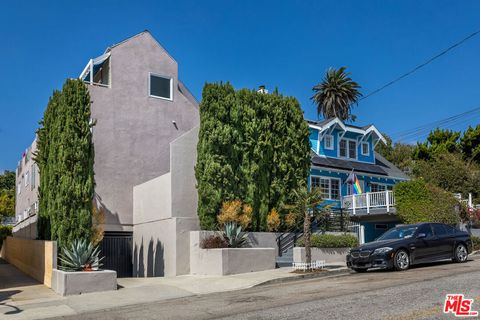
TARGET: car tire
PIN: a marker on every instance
(461, 253)
(360, 270)
(401, 260)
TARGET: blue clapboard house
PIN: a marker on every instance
(353, 178)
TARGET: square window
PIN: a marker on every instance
(330, 187)
(329, 142)
(365, 148)
(160, 87)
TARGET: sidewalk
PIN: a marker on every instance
(35, 301)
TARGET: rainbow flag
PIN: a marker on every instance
(352, 180)
(356, 185)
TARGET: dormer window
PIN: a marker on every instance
(348, 149)
(365, 148)
(329, 142)
(160, 87)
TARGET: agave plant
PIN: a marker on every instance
(81, 255)
(233, 235)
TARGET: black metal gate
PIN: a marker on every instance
(117, 249)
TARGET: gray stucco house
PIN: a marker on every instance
(140, 107)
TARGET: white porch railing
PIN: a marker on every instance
(369, 200)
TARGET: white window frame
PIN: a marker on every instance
(386, 185)
(347, 140)
(329, 186)
(150, 74)
(332, 141)
(368, 148)
(27, 177)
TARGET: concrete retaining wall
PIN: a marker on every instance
(227, 261)
(255, 239)
(70, 283)
(330, 255)
(37, 258)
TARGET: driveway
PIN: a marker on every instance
(17, 288)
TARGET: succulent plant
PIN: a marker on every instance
(81, 255)
(232, 233)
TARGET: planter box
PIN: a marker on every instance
(330, 255)
(227, 261)
(70, 283)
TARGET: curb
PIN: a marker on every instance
(333, 273)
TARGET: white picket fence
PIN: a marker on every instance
(314, 265)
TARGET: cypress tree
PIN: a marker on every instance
(216, 152)
(253, 147)
(65, 158)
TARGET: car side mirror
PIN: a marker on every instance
(421, 236)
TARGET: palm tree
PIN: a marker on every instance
(336, 94)
(306, 206)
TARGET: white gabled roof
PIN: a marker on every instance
(329, 123)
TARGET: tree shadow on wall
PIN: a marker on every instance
(153, 265)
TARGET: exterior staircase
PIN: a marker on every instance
(286, 242)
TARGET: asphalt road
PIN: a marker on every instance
(418, 293)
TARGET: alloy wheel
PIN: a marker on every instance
(402, 260)
(461, 253)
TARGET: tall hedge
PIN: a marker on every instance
(418, 201)
(65, 158)
(253, 147)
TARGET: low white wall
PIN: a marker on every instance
(72, 283)
(330, 255)
(227, 261)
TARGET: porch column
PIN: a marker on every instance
(368, 202)
(387, 200)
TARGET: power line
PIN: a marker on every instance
(449, 122)
(426, 131)
(421, 65)
(437, 123)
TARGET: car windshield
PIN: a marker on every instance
(398, 233)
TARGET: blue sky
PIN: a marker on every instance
(284, 44)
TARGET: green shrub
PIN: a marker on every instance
(331, 241)
(418, 201)
(5, 231)
(476, 242)
(80, 255)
